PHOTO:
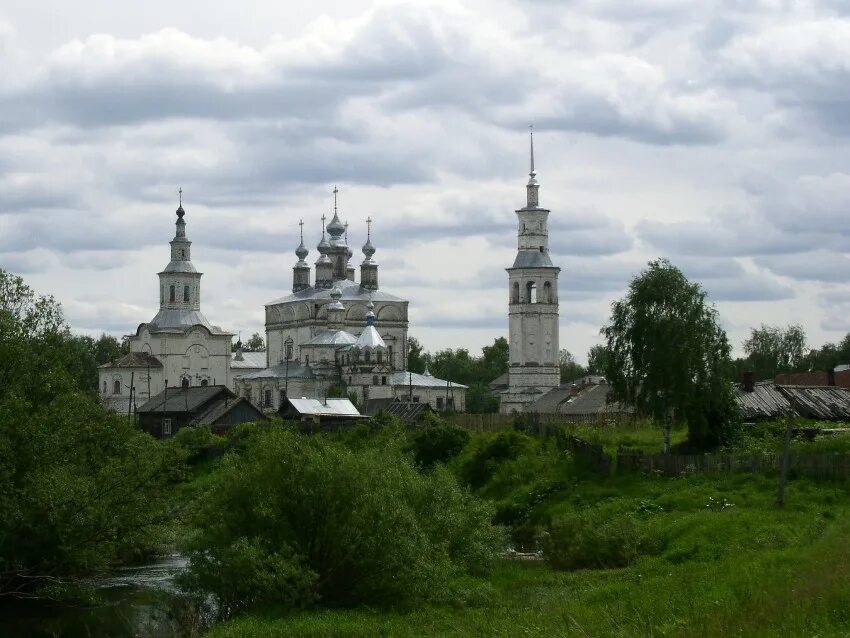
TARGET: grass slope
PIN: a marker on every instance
(716, 559)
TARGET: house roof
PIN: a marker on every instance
(332, 338)
(250, 360)
(329, 407)
(184, 399)
(768, 400)
(221, 407)
(764, 401)
(134, 360)
(407, 409)
(567, 399)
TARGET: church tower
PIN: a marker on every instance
(532, 308)
(179, 282)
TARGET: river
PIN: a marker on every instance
(141, 601)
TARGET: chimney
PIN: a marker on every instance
(748, 381)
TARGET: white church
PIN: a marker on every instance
(335, 335)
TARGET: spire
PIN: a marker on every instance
(181, 224)
(532, 200)
(323, 245)
(335, 228)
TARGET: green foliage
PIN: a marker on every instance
(570, 370)
(592, 538)
(597, 359)
(415, 360)
(436, 443)
(667, 351)
(772, 349)
(255, 343)
(198, 442)
(310, 519)
(79, 488)
(482, 459)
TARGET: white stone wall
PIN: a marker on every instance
(124, 376)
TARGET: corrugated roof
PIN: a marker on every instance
(181, 321)
(184, 399)
(831, 403)
(592, 398)
(220, 408)
(254, 360)
(421, 380)
(330, 407)
(765, 401)
(281, 371)
(532, 259)
(134, 360)
(350, 290)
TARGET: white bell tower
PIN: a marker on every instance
(532, 307)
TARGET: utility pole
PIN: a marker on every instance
(410, 385)
(130, 402)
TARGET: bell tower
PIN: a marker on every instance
(532, 307)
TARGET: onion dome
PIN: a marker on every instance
(368, 249)
(336, 227)
(301, 252)
(323, 245)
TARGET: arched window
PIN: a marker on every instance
(185, 382)
(116, 387)
(185, 294)
(380, 356)
(204, 383)
(547, 293)
(183, 253)
(267, 399)
(287, 347)
(515, 293)
(368, 356)
(390, 355)
(172, 293)
(105, 387)
(531, 292)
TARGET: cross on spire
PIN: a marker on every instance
(531, 136)
(301, 225)
(323, 224)
(180, 194)
(368, 228)
(336, 190)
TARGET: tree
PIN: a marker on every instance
(597, 358)
(667, 352)
(570, 369)
(79, 488)
(255, 344)
(415, 359)
(771, 349)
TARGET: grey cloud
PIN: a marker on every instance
(813, 266)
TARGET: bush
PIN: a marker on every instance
(437, 444)
(309, 519)
(483, 460)
(593, 538)
(198, 442)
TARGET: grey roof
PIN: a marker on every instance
(768, 400)
(184, 399)
(532, 259)
(332, 338)
(181, 321)
(134, 360)
(180, 265)
(421, 380)
(221, 407)
(567, 399)
(370, 338)
(250, 360)
(281, 371)
(329, 407)
(351, 291)
(499, 383)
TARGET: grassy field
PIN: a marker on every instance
(710, 556)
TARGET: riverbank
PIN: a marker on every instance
(722, 561)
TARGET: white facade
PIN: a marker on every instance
(532, 307)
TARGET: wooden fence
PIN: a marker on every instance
(532, 421)
(825, 466)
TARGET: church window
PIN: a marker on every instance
(204, 383)
(380, 356)
(267, 399)
(375, 380)
(515, 293)
(183, 253)
(185, 382)
(306, 359)
(541, 249)
(349, 379)
(185, 294)
(547, 292)
(105, 387)
(116, 387)
(288, 349)
(383, 381)
(368, 356)
(172, 293)
(531, 292)
(439, 403)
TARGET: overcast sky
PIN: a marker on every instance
(712, 133)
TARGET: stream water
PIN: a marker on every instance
(140, 601)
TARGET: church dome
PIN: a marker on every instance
(368, 249)
(336, 228)
(323, 245)
(301, 252)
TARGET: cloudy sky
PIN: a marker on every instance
(716, 134)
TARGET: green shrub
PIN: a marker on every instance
(437, 444)
(198, 441)
(483, 459)
(309, 519)
(593, 538)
